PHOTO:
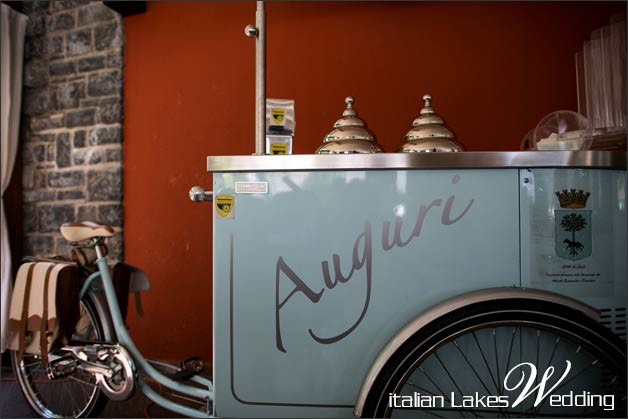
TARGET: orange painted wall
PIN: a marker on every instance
(494, 70)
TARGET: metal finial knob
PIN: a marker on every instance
(349, 111)
(427, 106)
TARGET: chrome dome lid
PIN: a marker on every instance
(429, 133)
(350, 135)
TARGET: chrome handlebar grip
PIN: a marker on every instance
(198, 194)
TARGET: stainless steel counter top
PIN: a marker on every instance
(466, 160)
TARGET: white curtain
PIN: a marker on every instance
(12, 27)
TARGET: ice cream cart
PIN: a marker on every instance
(327, 268)
(430, 284)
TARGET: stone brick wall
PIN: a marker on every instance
(71, 132)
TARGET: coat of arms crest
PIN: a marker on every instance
(573, 225)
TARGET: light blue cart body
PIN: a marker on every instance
(315, 271)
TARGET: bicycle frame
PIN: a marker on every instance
(141, 363)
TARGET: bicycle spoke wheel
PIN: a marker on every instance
(76, 395)
(477, 362)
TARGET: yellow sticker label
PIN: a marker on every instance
(224, 205)
(279, 148)
(278, 115)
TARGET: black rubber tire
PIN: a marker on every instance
(54, 398)
(570, 327)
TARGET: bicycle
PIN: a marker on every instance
(101, 361)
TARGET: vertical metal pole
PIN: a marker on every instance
(260, 80)
(259, 33)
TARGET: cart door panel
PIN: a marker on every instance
(313, 277)
(577, 247)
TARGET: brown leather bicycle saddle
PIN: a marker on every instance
(77, 232)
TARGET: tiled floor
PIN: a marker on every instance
(13, 404)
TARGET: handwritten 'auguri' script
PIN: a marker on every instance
(362, 260)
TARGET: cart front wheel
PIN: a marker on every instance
(477, 362)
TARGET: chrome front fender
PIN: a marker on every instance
(450, 305)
